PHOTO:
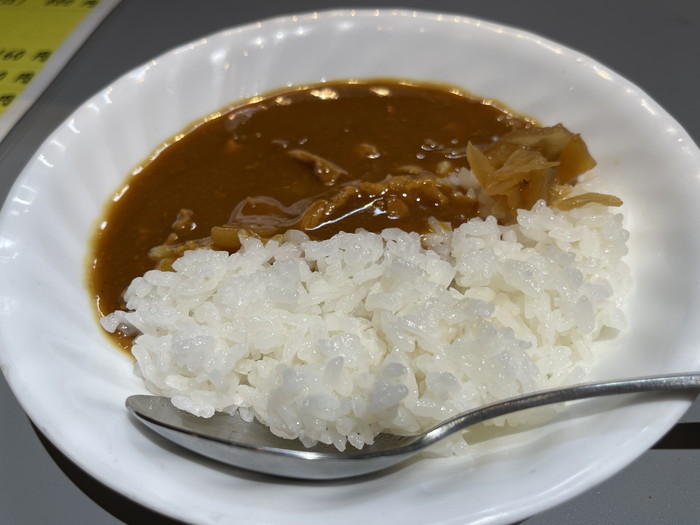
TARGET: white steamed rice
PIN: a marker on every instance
(336, 341)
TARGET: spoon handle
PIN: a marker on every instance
(672, 382)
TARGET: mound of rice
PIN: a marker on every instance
(336, 341)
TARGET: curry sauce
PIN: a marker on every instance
(323, 159)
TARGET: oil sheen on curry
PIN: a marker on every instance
(327, 158)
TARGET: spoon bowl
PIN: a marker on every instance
(251, 445)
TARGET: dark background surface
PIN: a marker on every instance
(654, 44)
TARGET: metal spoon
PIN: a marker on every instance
(252, 446)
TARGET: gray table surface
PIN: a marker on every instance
(654, 44)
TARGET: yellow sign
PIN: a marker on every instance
(30, 32)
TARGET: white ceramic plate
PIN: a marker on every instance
(72, 383)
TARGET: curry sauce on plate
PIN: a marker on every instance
(327, 158)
